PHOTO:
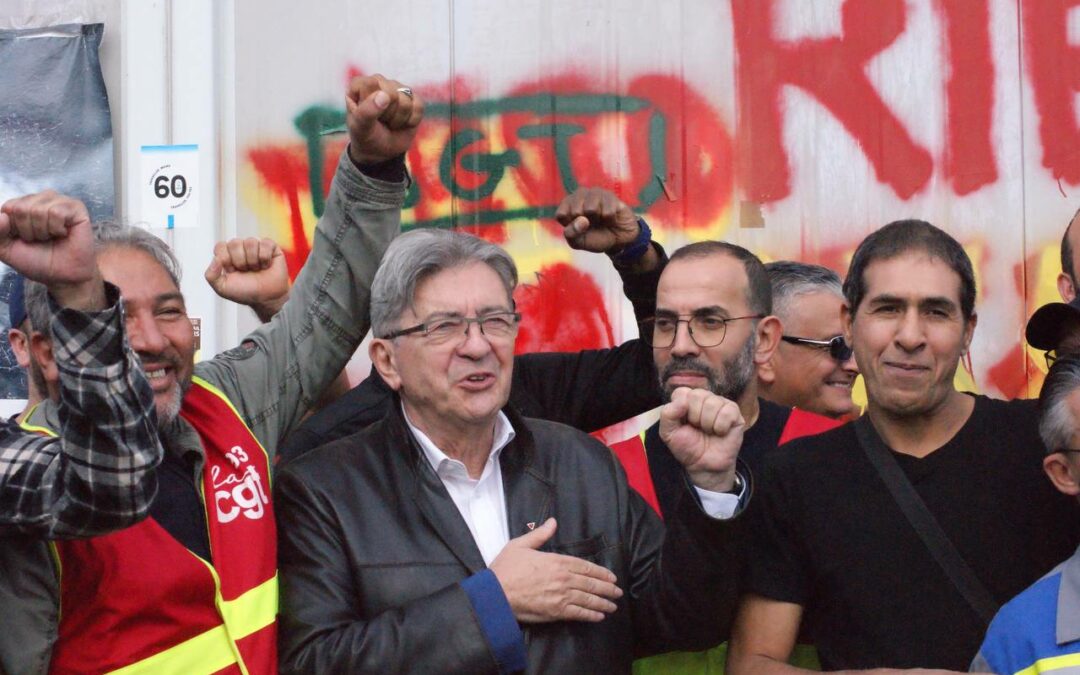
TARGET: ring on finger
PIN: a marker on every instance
(406, 90)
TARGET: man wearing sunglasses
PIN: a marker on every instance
(812, 368)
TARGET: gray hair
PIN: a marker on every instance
(791, 279)
(107, 234)
(417, 255)
(1057, 424)
(110, 233)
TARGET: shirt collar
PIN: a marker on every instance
(504, 433)
(1068, 605)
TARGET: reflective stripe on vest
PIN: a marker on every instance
(44, 431)
(215, 649)
(199, 618)
(1052, 663)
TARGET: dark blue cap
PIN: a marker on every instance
(17, 301)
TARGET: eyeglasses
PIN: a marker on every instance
(837, 347)
(495, 326)
(705, 330)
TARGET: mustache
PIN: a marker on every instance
(166, 358)
(686, 364)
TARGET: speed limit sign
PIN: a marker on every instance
(168, 184)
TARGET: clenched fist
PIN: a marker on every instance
(47, 237)
(704, 432)
(381, 117)
(251, 272)
(594, 219)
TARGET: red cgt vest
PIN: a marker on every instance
(137, 601)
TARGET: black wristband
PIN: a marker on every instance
(391, 170)
(637, 249)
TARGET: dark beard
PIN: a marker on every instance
(731, 383)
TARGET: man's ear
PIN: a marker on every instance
(1061, 473)
(1066, 288)
(769, 331)
(382, 355)
(969, 331)
(20, 346)
(766, 372)
(41, 350)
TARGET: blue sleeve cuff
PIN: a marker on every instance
(497, 620)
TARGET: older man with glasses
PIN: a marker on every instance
(812, 368)
(457, 536)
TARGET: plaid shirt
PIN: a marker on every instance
(98, 475)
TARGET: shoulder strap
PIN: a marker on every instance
(924, 522)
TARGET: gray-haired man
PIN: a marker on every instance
(812, 368)
(439, 538)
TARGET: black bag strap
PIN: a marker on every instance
(924, 522)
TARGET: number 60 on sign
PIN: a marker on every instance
(168, 182)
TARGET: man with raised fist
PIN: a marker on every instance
(98, 475)
(194, 587)
(455, 536)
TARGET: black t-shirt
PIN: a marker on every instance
(827, 535)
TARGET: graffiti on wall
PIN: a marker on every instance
(699, 165)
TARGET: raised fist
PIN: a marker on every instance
(594, 219)
(47, 237)
(382, 117)
(704, 431)
(251, 272)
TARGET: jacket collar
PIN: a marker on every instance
(528, 493)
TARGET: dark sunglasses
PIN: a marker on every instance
(837, 347)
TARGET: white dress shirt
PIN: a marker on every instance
(482, 502)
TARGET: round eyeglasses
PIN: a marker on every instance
(705, 330)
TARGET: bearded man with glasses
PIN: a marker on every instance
(714, 328)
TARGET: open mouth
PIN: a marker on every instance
(478, 380)
(160, 378)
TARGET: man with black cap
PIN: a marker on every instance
(1055, 329)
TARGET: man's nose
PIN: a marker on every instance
(684, 344)
(144, 335)
(475, 344)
